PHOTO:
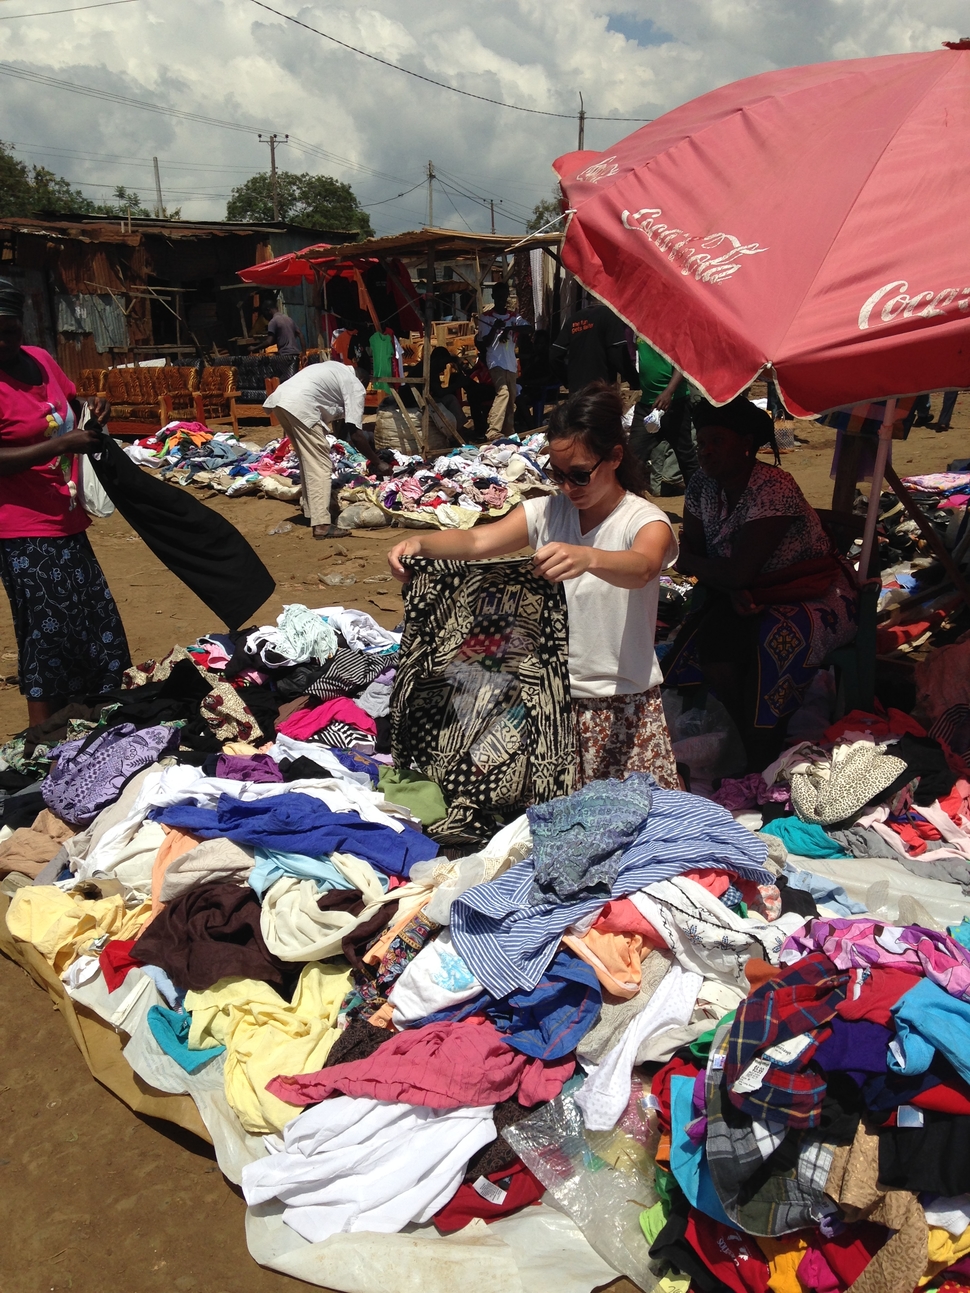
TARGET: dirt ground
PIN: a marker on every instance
(96, 1197)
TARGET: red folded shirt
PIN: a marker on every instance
(116, 962)
(497, 1195)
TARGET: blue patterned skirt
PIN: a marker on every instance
(70, 639)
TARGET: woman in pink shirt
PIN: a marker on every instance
(70, 639)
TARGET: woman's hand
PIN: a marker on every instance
(559, 561)
(101, 409)
(743, 602)
(409, 548)
(78, 442)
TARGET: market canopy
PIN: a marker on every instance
(283, 271)
(444, 243)
(812, 219)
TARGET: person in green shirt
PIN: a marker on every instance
(663, 388)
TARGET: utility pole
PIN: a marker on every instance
(272, 140)
(491, 203)
(159, 207)
(582, 122)
(430, 197)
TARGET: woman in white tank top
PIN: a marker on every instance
(607, 545)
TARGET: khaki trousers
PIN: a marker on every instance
(316, 471)
(501, 416)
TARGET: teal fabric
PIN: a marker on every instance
(928, 1020)
(170, 1028)
(271, 866)
(804, 838)
(688, 1160)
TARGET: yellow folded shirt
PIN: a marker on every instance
(266, 1037)
(62, 927)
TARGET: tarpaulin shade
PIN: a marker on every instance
(812, 219)
(283, 271)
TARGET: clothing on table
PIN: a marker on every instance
(436, 980)
(309, 723)
(367, 1165)
(792, 1008)
(265, 1035)
(480, 696)
(508, 942)
(210, 933)
(443, 1066)
(70, 638)
(210, 860)
(617, 736)
(611, 630)
(62, 926)
(312, 448)
(298, 823)
(286, 335)
(328, 872)
(497, 1195)
(200, 547)
(320, 393)
(301, 923)
(592, 346)
(501, 413)
(170, 1028)
(928, 1020)
(30, 848)
(606, 1093)
(707, 936)
(248, 767)
(578, 841)
(807, 839)
(415, 791)
(37, 503)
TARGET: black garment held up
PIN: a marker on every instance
(198, 545)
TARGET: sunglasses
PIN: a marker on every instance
(580, 477)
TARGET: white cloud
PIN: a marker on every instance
(232, 60)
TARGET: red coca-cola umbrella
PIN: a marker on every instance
(813, 219)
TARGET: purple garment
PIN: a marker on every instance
(858, 942)
(857, 1047)
(738, 793)
(91, 773)
(248, 767)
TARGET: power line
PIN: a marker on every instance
(453, 207)
(370, 205)
(46, 13)
(442, 85)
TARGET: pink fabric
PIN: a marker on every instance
(738, 793)
(443, 1066)
(36, 502)
(815, 1274)
(307, 722)
(860, 942)
(849, 300)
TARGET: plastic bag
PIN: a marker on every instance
(361, 516)
(705, 738)
(604, 1201)
(90, 491)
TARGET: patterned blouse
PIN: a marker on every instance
(769, 492)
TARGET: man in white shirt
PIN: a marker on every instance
(496, 331)
(306, 406)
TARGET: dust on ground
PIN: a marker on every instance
(96, 1196)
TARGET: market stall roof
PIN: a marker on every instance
(450, 243)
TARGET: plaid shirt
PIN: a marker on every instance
(801, 1000)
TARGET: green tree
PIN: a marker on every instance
(314, 201)
(25, 189)
(543, 212)
(123, 203)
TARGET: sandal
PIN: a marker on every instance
(329, 532)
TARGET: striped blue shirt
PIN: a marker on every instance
(508, 943)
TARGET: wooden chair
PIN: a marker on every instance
(177, 389)
(217, 395)
(91, 383)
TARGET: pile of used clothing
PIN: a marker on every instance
(457, 490)
(701, 1043)
(188, 453)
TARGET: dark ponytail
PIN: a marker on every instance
(594, 415)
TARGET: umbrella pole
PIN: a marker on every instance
(879, 471)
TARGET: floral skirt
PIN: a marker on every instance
(617, 735)
(70, 639)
